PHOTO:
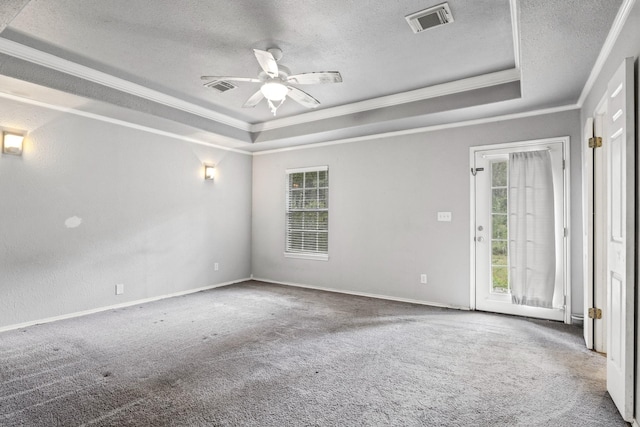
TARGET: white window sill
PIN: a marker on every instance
(301, 255)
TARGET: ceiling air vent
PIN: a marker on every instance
(220, 85)
(429, 18)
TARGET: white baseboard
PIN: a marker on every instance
(362, 294)
(116, 306)
(219, 285)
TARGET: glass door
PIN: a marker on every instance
(499, 248)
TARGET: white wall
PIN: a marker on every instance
(149, 220)
(384, 196)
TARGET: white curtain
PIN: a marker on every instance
(532, 248)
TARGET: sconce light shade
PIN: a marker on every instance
(209, 172)
(12, 143)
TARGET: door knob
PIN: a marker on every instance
(480, 239)
(480, 228)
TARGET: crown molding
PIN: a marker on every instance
(126, 124)
(607, 47)
(155, 131)
(471, 83)
(44, 59)
(424, 129)
(53, 62)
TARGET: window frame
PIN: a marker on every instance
(318, 256)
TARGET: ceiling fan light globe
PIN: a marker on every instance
(274, 91)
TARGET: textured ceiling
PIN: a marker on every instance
(166, 45)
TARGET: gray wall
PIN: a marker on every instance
(384, 196)
(628, 45)
(149, 220)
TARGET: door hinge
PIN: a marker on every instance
(566, 232)
(595, 142)
(595, 313)
(563, 164)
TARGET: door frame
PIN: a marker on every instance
(565, 140)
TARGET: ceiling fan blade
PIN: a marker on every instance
(267, 62)
(302, 98)
(316, 77)
(232, 79)
(253, 100)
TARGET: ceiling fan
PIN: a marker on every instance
(276, 82)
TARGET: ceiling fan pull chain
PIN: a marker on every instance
(274, 108)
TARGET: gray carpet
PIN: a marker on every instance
(256, 354)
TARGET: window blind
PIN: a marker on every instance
(308, 210)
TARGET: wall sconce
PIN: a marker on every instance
(209, 172)
(12, 143)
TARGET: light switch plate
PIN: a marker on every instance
(444, 216)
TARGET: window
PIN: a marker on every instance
(308, 213)
(499, 226)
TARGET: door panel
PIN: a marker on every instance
(588, 231)
(617, 185)
(600, 248)
(616, 320)
(595, 229)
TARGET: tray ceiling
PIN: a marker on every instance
(543, 49)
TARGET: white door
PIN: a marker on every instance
(595, 232)
(600, 247)
(618, 141)
(588, 230)
(491, 287)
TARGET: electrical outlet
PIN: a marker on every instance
(120, 289)
(444, 216)
(215, 266)
(423, 279)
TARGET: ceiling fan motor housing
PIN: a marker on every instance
(283, 73)
(275, 52)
